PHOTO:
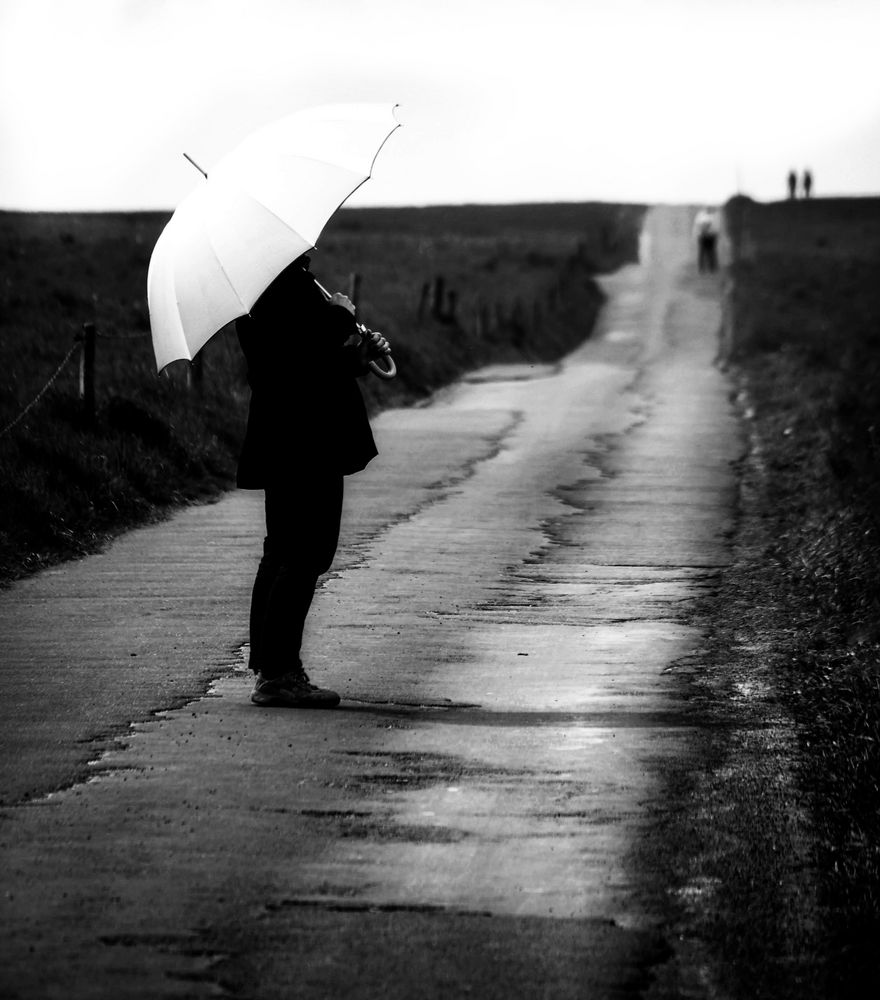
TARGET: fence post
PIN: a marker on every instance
(537, 316)
(87, 372)
(354, 287)
(437, 301)
(479, 327)
(518, 323)
(423, 301)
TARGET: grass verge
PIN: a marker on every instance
(806, 354)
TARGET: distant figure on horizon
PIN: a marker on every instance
(808, 183)
(706, 228)
(792, 184)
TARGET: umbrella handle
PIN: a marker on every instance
(384, 373)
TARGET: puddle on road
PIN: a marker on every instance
(600, 720)
(408, 770)
(510, 373)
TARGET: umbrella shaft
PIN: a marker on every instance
(383, 373)
(361, 328)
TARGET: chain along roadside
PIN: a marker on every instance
(17, 420)
(140, 335)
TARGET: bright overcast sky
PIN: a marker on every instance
(502, 100)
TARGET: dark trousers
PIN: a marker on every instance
(708, 259)
(302, 532)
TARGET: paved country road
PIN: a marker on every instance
(510, 621)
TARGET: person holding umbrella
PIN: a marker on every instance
(235, 249)
(305, 433)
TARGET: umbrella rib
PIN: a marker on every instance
(286, 225)
(360, 183)
(370, 171)
(330, 163)
(225, 274)
(246, 308)
(324, 161)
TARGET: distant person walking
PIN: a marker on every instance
(808, 184)
(792, 184)
(706, 229)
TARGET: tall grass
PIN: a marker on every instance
(809, 354)
(66, 484)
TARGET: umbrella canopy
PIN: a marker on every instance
(263, 205)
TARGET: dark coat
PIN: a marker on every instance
(306, 412)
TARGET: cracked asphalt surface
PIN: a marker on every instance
(510, 622)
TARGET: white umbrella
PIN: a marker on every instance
(263, 205)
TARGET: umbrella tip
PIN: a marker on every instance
(193, 162)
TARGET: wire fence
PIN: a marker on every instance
(437, 302)
(84, 346)
(77, 346)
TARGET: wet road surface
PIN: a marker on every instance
(505, 621)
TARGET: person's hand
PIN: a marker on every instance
(338, 299)
(374, 345)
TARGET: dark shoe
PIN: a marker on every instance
(293, 690)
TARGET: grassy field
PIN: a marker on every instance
(806, 352)
(451, 287)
